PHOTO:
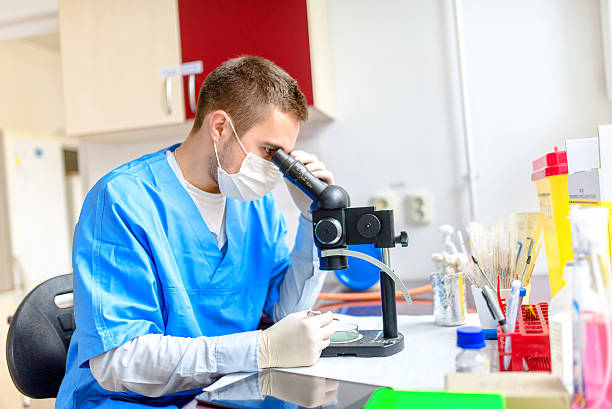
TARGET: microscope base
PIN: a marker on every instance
(370, 344)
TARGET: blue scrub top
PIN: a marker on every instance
(145, 262)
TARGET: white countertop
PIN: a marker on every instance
(428, 355)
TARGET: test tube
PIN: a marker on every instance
(522, 293)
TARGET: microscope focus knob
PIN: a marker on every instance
(328, 231)
(368, 225)
(402, 239)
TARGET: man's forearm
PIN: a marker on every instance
(303, 280)
(156, 365)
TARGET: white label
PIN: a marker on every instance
(560, 327)
(605, 146)
(584, 185)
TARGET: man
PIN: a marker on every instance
(178, 253)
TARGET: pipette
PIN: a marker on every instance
(491, 299)
(475, 260)
(513, 302)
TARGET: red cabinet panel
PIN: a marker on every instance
(215, 30)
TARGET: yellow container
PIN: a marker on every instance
(550, 176)
(608, 204)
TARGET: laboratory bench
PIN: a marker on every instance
(428, 356)
(429, 349)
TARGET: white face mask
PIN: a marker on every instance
(256, 177)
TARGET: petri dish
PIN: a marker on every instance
(345, 332)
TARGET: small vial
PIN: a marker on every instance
(472, 357)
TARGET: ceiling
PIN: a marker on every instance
(26, 18)
(49, 41)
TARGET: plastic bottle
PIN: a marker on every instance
(472, 357)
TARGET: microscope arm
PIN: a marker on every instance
(383, 267)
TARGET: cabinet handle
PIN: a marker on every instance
(192, 68)
(192, 97)
(168, 88)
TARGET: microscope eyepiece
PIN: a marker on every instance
(296, 173)
(282, 159)
(324, 196)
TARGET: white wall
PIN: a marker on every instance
(397, 114)
(535, 75)
(538, 79)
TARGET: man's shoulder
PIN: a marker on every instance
(129, 179)
(137, 169)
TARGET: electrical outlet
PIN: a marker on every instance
(383, 200)
(418, 207)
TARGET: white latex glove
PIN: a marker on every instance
(296, 340)
(317, 168)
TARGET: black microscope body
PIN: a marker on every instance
(337, 225)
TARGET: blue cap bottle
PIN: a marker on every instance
(472, 357)
(470, 338)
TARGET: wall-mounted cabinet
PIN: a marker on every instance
(31, 84)
(112, 52)
(140, 64)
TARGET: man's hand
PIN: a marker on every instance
(317, 168)
(296, 340)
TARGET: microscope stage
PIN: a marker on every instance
(370, 344)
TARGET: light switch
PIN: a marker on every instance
(418, 207)
(383, 200)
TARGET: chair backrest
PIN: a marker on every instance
(38, 339)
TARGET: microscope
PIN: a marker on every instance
(337, 225)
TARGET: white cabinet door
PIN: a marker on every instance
(112, 53)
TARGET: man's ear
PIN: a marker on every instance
(216, 124)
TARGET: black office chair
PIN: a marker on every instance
(38, 339)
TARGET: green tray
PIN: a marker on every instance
(389, 399)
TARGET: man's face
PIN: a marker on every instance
(279, 130)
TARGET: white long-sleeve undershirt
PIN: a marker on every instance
(155, 365)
